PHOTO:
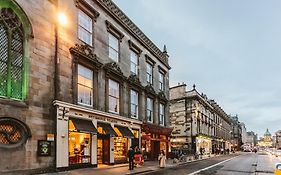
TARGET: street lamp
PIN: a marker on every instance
(62, 19)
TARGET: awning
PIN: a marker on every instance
(125, 131)
(107, 128)
(84, 125)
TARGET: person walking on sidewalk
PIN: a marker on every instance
(162, 159)
(131, 154)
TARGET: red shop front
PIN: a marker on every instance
(154, 139)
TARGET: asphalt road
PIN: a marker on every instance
(243, 164)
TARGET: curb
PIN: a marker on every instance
(175, 165)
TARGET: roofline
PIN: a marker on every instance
(132, 28)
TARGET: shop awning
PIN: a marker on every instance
(84, 125)
(125, 131)
(107, 128)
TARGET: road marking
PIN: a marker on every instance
(213, 165)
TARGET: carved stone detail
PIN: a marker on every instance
(84, 51)
(162, 96)
(150, 90)
(113, 67)
(134, 80)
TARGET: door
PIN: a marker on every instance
(106, 153)
(156, 150)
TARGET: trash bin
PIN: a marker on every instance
(278, 169)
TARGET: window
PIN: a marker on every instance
(113, 96)
(161, 114)
(134, 63)
(12, 66)
(13, 133)
(85, 86)
(134, 104)
(149, 73)
(149, 110)
(85, 30)
(161, 81)
(113, 47)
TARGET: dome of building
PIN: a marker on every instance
(267, 133)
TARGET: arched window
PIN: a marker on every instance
(12, 69)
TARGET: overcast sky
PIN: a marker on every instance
(231, 50)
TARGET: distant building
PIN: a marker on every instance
(198, 123)
(278, 139)
(266, 140)
(244, 132)
(236, 132)
(251, 139)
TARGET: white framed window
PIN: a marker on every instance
(85, 27)
(161, 81)
(85, 86)
(134, 62)
(149, 109)
(113, 99)
(134, 104)
(161, 114)
(113, 47)
(149, 73)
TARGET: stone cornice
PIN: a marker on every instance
(85, 52)
(124, 20)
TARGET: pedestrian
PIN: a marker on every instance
(131, 154)
(162, 159)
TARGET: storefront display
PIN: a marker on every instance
(154, 139)
(79, 146)
(203, 145)
(120, 149)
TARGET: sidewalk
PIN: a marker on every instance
(149, 166)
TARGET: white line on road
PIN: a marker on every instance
(213, 165)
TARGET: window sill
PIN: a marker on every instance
(85, 105)
(11, 102)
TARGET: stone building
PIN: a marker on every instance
(80, 91)
(199, 125)
(236, 133)
(278, 139)
(266, 140)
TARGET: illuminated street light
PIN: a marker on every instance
(62, 19)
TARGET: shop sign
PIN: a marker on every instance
(44, 148)
(50, 137)
(103, 118)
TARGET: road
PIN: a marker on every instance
(243, 164)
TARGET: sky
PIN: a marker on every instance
(231, 50)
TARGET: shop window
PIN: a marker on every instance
(13, 133)
(113, 47)
(135, 133)
(134, 62)
(12, 63)
(85, 30)
(149, 110)
(113, 96)
(85, 86)
(79, 146)
(134, 104)
(120, 149)
(161, 114)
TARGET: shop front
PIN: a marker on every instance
(154, 139)
(203, 145)
(89, 138)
